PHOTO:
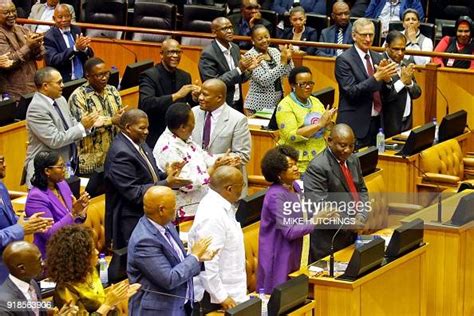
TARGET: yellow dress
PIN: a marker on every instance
(292, 115)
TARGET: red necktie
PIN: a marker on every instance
(350, 182)
(376, 94)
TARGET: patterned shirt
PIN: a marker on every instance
(170, 148)
(93, 148)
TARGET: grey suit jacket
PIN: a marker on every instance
(37, 11)
(231, 131)
(9, 292)
(46, 130)
(213, 64)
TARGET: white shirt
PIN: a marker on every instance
(364, 62)
(232, 66)
(46, 16)
(426, 46)
(214, 117)
(225, 274)
(390, 12)
(399, 86)
(22, 286)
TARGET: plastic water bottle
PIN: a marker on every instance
(435, 122)
(103, 273)
(69, 170)
(263, 297)
(358, 242)
(380, 141)
(5, 96)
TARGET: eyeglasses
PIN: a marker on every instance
(308, 84)
(8, 12)
(226, 29)
(102, 75)
(365, 34)
(173, 52)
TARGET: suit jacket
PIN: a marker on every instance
(59, 56)
(213, 64)
(154, 263)
(394, 103)
(309, 34)
(310, 6)
(9, 229)
(324, 180)
(9, 292)
(154, 99)
(45, 201)
(376, 6)
(236, 20)
(328, 35)
(46, 130)
(37, 11)
(127, 178)
(356, 90)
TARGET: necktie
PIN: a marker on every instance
(376, 94)
(350, 182)
(76, 62)
(149, 165)
(340, 38)
(72, 146)
(206, 135)
(34, 299)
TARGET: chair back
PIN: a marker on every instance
(444, 158)
(198, 18)
(251, 254)
(153, 14)
(111, 12)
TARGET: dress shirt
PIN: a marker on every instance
(225, 274)
(426, 46)
(22, 286)
(232, 66)
(66, 40)
(170, 148)
(83, 129)
(46, 16)
(364, 62)
(215, 117)
(390, 12)
(398, 86)
(133, 143)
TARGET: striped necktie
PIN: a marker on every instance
(340, 39)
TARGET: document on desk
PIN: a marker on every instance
(258, 122)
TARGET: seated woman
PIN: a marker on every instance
(462, 43)
(299, 31)
(266, 90)
(52, 196)
(176, 144)
(416, 40)
(302, 119)
(71, 263)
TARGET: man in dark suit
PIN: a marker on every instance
(339, 33)
(130, 170)
(66, 49)
(11, 227)
(360, 74)
(397, 96)
(20, 294)
(163, 85)
(222, 60)
(158, 261)
(249, 16)
(335, 176)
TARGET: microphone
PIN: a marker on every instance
(167, 294)
(445, 99)
(440, 205)
(331, 254)
(121, 45)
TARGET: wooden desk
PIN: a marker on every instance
(306, 310)
(262, 141)
(450, 272)
(398, 288)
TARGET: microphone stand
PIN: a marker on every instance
(331, 254)
(121, 45)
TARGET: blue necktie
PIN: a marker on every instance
(78, 71)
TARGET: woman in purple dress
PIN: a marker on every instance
(281, 229)
(52, 196)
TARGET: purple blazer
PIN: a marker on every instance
(45, 201)
(279, 245)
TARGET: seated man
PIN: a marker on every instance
(392, 10)
(24, 49)
(66, 49)
(104, 99)
(44, 12)
(163, 85)
(176, 144)
(335, 176)
(158, 261)
(339, 33)
(249, 16)
(225, 277)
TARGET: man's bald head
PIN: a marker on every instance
(132, 116)
(340, 13)
(170, 54)
(228, 182)
(341, 141)
(159, 204)
(23, 260)
(7, 14)
(213, 94)
(62, 16)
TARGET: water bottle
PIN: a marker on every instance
(435, 122)
(5, 96)
(381, 141)
(103, 273)
(263, 298)
(69, 170)
(359, 243)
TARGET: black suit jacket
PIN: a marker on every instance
(236, 20)
(355, 90)
(309, 34)
(394, 103)
(9, 292)
(59, 56)
(127, 178)
(324, 180)
(154, 99)
(213, 64)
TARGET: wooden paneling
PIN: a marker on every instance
(13, 143)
